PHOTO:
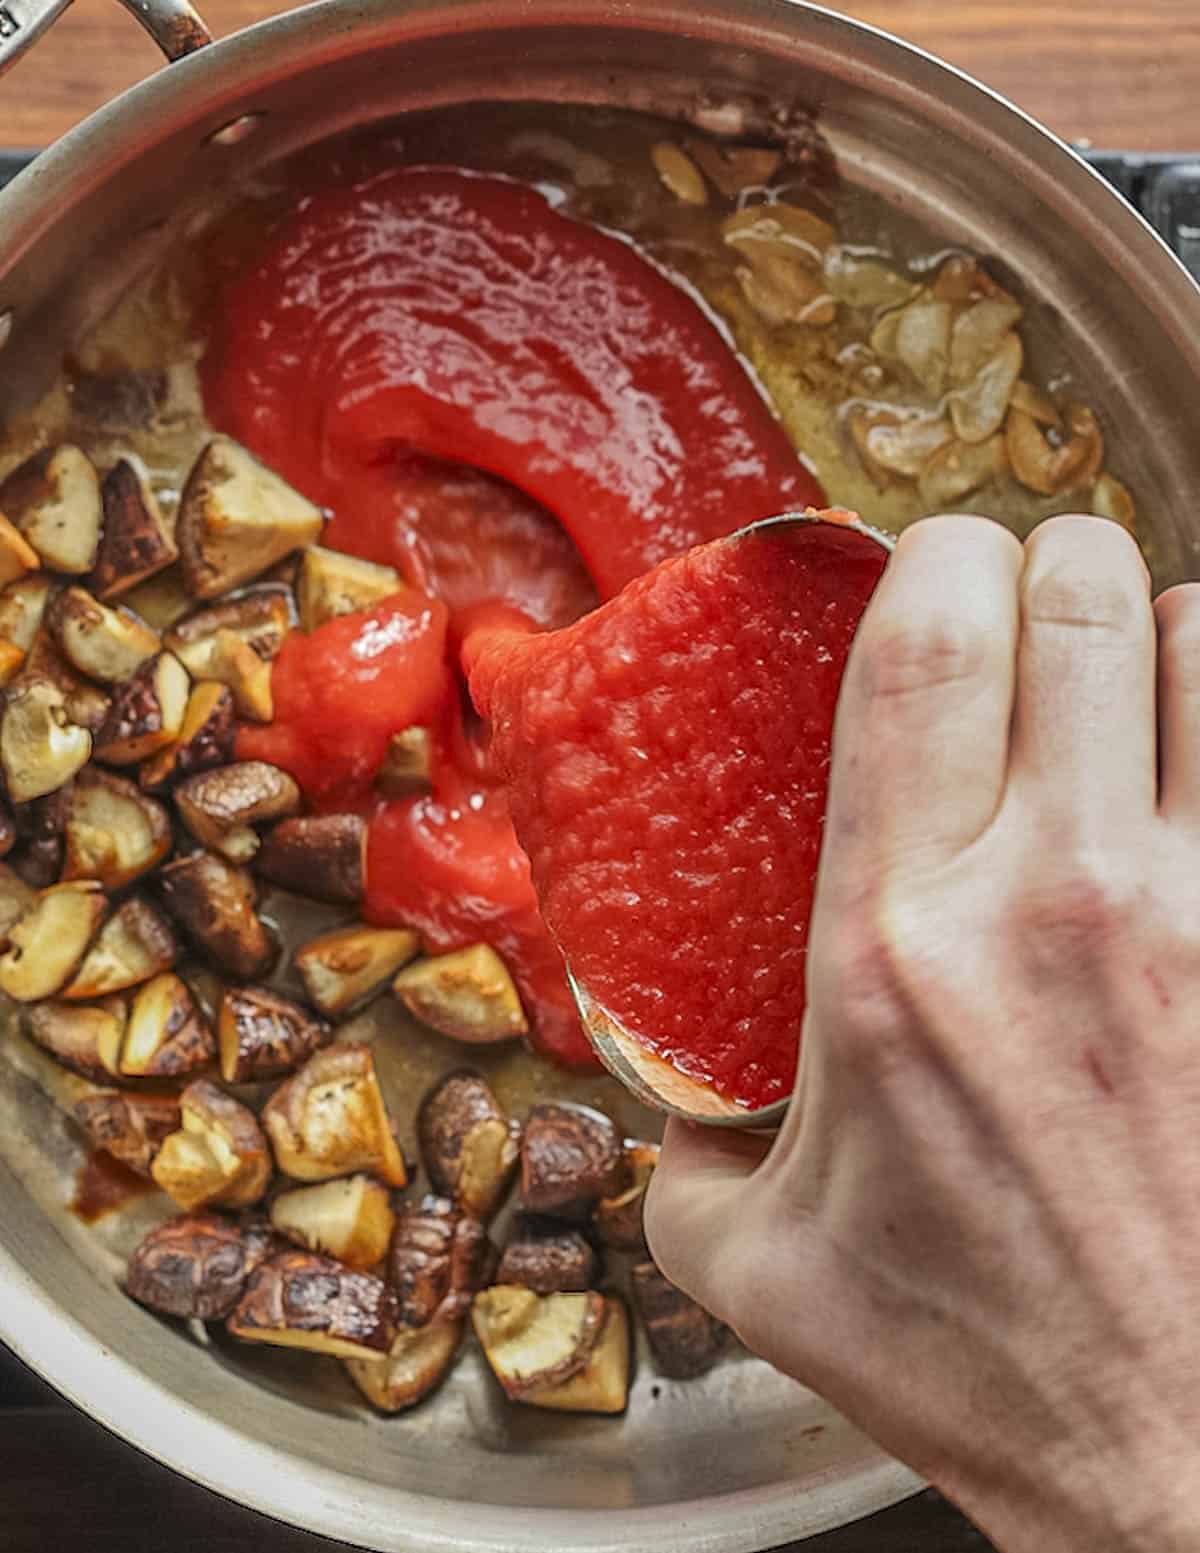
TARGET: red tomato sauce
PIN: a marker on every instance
(513, 409)
(667, 759)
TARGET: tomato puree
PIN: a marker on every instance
(520, 413)
(668, 757)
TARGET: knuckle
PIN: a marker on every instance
(874, 974)
(1178, 613)
(898, 659)
(1087, 574)
(1086, 902)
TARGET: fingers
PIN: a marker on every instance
(1177, 614)
(921, 743)
(694, 1205)
(1084, 731)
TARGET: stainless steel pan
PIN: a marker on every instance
(743, 1460)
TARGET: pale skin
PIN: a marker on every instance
(978, 1233)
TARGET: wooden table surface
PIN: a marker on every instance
(1122, 76)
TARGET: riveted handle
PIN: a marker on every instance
(173, 25)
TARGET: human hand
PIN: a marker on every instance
(976, 1234)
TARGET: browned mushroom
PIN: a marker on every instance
(299, 1300)
(146, 712)
(16, 897)
(214, 904)
(84, 703)
(331, 583)
(129, 1127)
(108, 644)
(40, 825)
(161, 600)
(196, 1266)
(547, 1256)
(265, 1035)
(467, 995)
(469, 1145)
(418, 1360)
(570, 1158)
(685, 1339)
(166, 1036)
(322, 856)
(261, 617)
(350, 1219)
(346, 967)
(22, 608)
(41, 749)
(602, 1385)
(134, 541)
(619, 1220)
(407, 767)
(236, 518)
(219, 1154)
(206, 738)
(228, 660)
(221, 806)
(132, 946)
(536, 1341)
(734, 168)
(112, 831)
(440, 1257)
(84, 1037)
(8, 834)
(12, 661)
(330, 1119)
(17, 557)
(47, 945)
(1050, 459)
(54, 499)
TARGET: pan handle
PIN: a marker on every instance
(173, 25)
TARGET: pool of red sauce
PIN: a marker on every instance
(104, 1185)
(520, 414)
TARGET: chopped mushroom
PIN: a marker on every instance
(129, 1127)
(17, 557)
(678, 173)
(602, 1386)
(265, 1035)
(535, 1341)
(220, 807)
(547, 1257)
(261, 617)
(417, 1361)
(219, 1154)
(894, 442)
(978, 409)
(166, 1036)
(206, 739)
(214, 903)
(467, 995)
(104, 643)
(331, 583)
(84, 1037)
(8, 830)
(22, 606)
(469, 1145)
(12, 660)
(146, 712)
(134, 542)
(161, 600)
(85, 703)
(734, 168)
(349, 1219)
(54, 499)
(346, 967)
(685, 1339)
(47, 945)
(132, 946)
(196, 1266)
(40, 826)
(112, 831)
(16, 897)
(1111, 499)
(228, 660)
(237, 518)
(407, 767)
(439, 1258)
(619, 1220)
(330, 1119)
(322, 856)
(960, 468)
(41, 749)
(300, 1300)
(570, 1158)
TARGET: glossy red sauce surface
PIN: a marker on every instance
(513, 409)
(668, 758)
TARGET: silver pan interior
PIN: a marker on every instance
(743, 1460)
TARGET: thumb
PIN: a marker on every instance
(694, 1204)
